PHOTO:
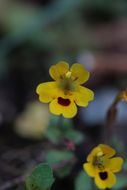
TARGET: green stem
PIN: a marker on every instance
(60, 123)
(110, 119)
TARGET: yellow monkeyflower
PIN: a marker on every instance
(66, 91)
(123, 95)
(102, 165)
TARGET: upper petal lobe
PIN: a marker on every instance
(79, 73)
(59, 70)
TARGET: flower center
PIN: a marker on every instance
(103, 175)
(66, 83)
(64, 102)
(98, 161)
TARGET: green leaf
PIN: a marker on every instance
(67, 123)
(53, 134)
(83, 181)
(60, 122)
(121, 182)
(41, 178)
(57, 133)
(75, 136)
(61, 161)
(56, 156)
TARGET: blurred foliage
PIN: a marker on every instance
(83, 181)
(61, 160)
(59, 27)
(75, 136)
(121, 182)
(61, 129)
(118, 144)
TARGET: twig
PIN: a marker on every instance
(112, 114)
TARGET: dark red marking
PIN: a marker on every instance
(64, 102)
(103, 175)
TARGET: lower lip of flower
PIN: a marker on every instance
(64, 102)
(103, 175)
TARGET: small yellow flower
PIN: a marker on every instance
(123, 95)
(102, 165)
(66, 91)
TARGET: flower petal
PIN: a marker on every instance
(104, 149)
(47, 91)
(93, 153)
(79, 73)
(88, 167)
(107, 150)
(83, 95)
(105, 183)
(115, 164)
(67, 111)
(59, 70)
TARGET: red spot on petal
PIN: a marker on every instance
(64, 102)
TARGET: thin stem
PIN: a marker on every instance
(60, 122)
(110, 119)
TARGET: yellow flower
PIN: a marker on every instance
(102, 165)
(66, 91)
(123, 95)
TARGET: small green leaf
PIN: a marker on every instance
(53, 134)
(83, 181)
(60, 123)
(56, 156)
(67, 123)
(56, 133)
(57, 129)
(41, 178)
(75, 136)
